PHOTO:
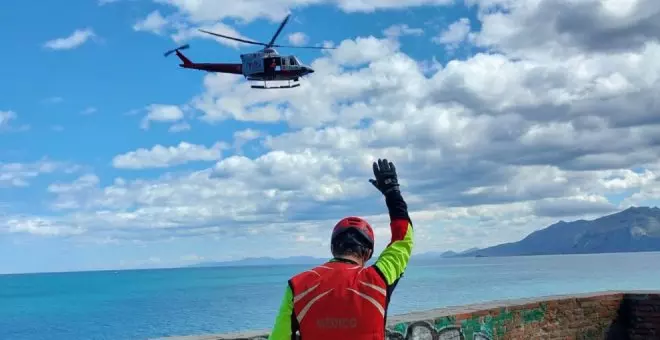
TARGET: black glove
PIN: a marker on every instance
(386, 180)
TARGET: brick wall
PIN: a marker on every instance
(560, 317)
(607, 316)
(639, 317)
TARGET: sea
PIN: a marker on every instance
(147, 304)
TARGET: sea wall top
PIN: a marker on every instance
(603, 315)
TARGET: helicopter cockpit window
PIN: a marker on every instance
(293, 61)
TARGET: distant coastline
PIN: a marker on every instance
(636, 229)
(428, 256)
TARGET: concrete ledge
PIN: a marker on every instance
(595, 315)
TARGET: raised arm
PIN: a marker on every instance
(393, 261)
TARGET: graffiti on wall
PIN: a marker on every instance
(486, 327)
(422, 330)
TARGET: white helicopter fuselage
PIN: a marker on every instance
(269, 65)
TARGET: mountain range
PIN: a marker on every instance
(635, 229)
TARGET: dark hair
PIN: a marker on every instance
(350, 242)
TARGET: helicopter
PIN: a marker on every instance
(265, 65)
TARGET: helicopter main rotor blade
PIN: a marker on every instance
(313, 47)
(232, 38)
(279, 30)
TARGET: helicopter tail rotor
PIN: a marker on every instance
(183, 47)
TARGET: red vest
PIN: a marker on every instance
(339, 301)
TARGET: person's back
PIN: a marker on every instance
(343, 299)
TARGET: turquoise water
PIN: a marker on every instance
(155, 303)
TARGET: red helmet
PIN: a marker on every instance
(358, 224)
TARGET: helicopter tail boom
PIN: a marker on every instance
(215, 67)
(208, 67)
(184, 59)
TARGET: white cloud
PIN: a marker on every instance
(298, 38)
(16, 174)
(372, 5)
(489, 148)
(161, 156)
(71, 195)
(76, 39)
(6, 117)
(574, 206)
(551, 29)
(179, 127)
(190, 15)
(396, 31)
(212, 10)
(154, 22)
(186, 32)
(244, 136)
(83, 182)
(42, 227)
(161, 113)
(456, 33)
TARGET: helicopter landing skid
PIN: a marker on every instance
(266, 86)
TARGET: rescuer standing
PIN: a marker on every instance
(342, 299)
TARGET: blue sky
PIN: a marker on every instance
(80, 106)
(121, 70)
